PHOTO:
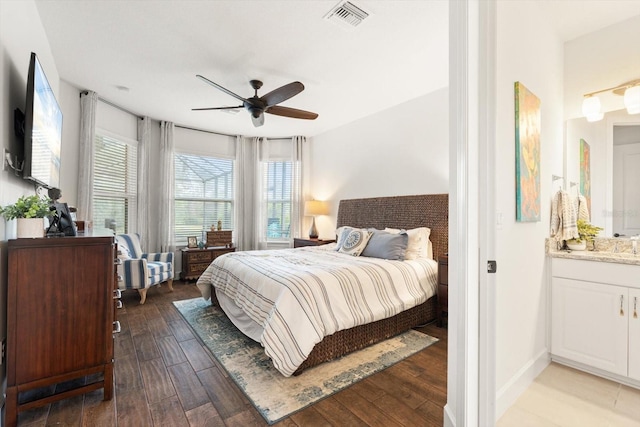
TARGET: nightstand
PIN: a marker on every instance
(443, 287)
(298, 243)
(196, 261)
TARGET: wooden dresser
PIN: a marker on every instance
(196, 261)
(61, 300)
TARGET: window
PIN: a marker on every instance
(203, 195)
(114, 183)
(277, 193)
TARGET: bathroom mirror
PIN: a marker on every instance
(614, 151)
(593, 63)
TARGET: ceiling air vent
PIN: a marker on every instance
(347, 14)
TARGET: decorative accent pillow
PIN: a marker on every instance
(386, 245)
(341, 234)
(355, 241)
(418, 246)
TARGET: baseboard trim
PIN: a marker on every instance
(449, 419)
(598, 372)
(509, 393)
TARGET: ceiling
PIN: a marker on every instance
(144, 55)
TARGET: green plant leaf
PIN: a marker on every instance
(32, 206)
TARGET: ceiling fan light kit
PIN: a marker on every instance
(257, 106)
(592, 109)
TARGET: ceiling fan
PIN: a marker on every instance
(257, 106)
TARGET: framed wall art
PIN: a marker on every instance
(527, 121)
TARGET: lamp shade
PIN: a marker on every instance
(591, 108)
(632, 99)
(315, 207)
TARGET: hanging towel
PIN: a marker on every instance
(563, 217)
(583, 208)
(555, 215)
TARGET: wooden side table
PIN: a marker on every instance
(443, 287)
(195, 261)
(299, 242)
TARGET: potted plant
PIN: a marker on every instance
(29, 211)
(586, 233)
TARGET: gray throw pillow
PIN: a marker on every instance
(386, 245)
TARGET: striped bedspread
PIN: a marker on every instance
(302, 295)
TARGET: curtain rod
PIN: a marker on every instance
(101, 99)
(176, 125)
(119, 107)
(207, 131)
(226, 134)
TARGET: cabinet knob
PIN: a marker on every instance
(117, 294)
(635, 307)
(116, 327)
(117, 261)
(621, 305)
(119, 304)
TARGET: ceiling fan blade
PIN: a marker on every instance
(217, 86)
(283, 93)
(217, 108)
(291, 112)
(258, 121)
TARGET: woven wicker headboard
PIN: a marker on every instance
(428, 210)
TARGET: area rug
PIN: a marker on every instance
(275, 396)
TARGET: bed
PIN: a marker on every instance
(268, 294)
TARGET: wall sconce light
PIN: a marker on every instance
(313, 208)
(632, 99)
(592, 109)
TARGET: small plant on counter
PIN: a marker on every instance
(587, 231)
(27, 207)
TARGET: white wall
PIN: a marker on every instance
(529, 52)
(20, 34)
(403, 150)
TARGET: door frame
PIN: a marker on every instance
(619, 120)
(471, 392)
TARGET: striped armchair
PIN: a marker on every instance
(142, 270)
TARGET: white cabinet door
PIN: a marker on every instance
(587, 324)
(634, 334)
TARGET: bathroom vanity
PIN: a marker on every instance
(595, 313)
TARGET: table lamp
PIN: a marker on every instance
(313, 208)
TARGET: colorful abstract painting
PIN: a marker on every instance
(585, 172)
(527, 109)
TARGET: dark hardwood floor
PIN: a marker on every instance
(164, 376)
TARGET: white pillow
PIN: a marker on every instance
(419, 245)
(355, 241)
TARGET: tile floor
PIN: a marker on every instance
(565, 397)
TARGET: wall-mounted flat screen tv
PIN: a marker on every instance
(42, 129)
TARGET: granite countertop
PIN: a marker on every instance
(605, 251)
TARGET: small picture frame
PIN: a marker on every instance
(192, 242)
